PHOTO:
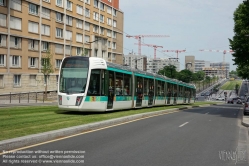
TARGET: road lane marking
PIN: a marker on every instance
(86, 132)
(183, 124)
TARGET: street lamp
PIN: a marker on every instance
(83, 49)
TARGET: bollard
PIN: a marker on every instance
(28, 97)
(19, 97)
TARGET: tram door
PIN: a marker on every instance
(139, 91)
(111, 85)
(151, 92)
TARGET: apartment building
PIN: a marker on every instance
(154, 65)
(29, 28)
(199, 64)
(209, 71)
(136, 61)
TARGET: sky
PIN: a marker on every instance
(191, 25)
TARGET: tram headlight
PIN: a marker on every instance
(60, 99)
(78, 100)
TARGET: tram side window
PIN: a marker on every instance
(146, 86)
(94, 84)
(127, 85)
(162, 90)
(169, 90)
(159, 87)
(175, 90)
(119, 84)
(180, 90)
(140, 85)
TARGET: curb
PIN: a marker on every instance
(29, 140)
(244, 123)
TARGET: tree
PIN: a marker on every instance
(47, 67)
(84, 51)
(240, 42)
(185, 75)
(168, 71)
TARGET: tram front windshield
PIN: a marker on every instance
(73, 75)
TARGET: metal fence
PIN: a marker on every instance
(28, 97)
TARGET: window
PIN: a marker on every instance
(45, 29)
(2, 40)
(69, 20)
(119, 84)
(79, 37)
(69, 35)
(15, 42)
(3, 20)
(45, 13)
(95, 16)
(68, 50)
(78, 50)
(2, 60)
(102, 30)
(95, 28)
(114, 12)
(59, 32)
(96, 52)
(59, 3)
(87, 12)
(69, 5)
(17, 80)
(2, 2)
(109, 0)
(15, 23)
(58, 63)
(1, 77)
(114, 23)
(33, 27)
(33, 62)
(96, 3)
(16, 4)
(109, 21)
(45, 46)
(33, 9)
(59, 48)
(109, 32)
(32, 80)
(15, 61)
(45, 62)
(102, 6)
(109, 10)
(109, 44)
(79, 24)
(114, 45)
(46, 0)
(59, 17)
(87, 26)
(33, 44)
(86, 39)
(102, 18)
(46, 79)
(94, 85)
(79, 9)
(114, 35)
(87, 1)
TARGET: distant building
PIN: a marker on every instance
(190, 63)
(199, 64)
(219, 65)
(209, 71)
(136, 61)
(154, 65)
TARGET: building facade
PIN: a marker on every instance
(209, 71)
(136, 61)
(190, 63)
(199, 64)
(29, 28)
(219, 65)
(154, 65)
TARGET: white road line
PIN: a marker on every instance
(183, 124)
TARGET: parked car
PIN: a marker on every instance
(233, 100)
(220, 98)
(246, 106)
(202, 94)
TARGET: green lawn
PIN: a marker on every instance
(22, 121)
(230, 85)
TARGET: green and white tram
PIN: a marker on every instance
(92, 84)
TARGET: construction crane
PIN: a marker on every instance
(138, 37)
(224, 53)
(151, 45)
(176, 51)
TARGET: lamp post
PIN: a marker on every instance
(83, 49)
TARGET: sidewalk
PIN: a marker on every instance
(16, 103)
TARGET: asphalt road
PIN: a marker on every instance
(195, 137)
